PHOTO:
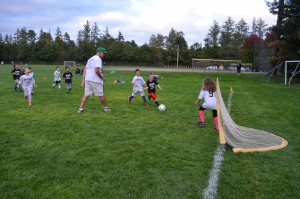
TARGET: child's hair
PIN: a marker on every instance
(209, 84)
(67, 67)
(136, 70)
(57, 67)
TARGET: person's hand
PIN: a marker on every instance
(197, 103)
(103, 78)
(82, 84)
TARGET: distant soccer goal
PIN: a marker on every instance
(69, 63)
(214, 64)
(284, 73)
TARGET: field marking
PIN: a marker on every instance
(210, 192)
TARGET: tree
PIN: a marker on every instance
(212, 41)
(107, 38)
(195, 50)
(157, 45)
(249, 48)
(174, 42)
(227, 38)
(261, 27)
(86, 32)
(120, 36)
(95, 33)
(287, 43)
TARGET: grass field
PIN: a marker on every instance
(48, 150)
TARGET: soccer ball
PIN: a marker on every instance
(162, 107)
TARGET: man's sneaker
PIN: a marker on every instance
(107, 110)
(129, 98)
(201, 124)
(80, 110)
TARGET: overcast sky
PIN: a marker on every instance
(136, 19)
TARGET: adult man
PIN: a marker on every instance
(93, 79)
(239, 68)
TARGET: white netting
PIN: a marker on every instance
(244, 139)
(69, 63)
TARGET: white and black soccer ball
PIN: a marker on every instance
(162, 107)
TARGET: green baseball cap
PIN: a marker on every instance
(100, 49)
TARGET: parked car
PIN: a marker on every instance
(212, 68)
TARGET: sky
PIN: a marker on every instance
(136, 19)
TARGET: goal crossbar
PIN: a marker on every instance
(217, 60)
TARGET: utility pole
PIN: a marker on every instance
(177, 54)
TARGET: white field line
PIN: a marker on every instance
(210, 192)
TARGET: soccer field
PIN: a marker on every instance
(48, 150)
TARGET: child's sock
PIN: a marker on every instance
(201, 116)
(156, 102)
(216, 123)
(130, 98)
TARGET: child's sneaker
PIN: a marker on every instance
(201, 124)
(129, 98)
(107, 109)
(146, 104)
(80, 110)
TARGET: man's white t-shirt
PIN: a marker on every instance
(209, 99)
(92, 63)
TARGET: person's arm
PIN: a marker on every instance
(99, 74)
(158, 85)
(83, 77)
(19, 82)
(198, 101)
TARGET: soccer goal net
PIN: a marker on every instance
(214, 64)
(69, 63)
(285, 72)
(244, 139)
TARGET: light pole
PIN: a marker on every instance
(177, 54)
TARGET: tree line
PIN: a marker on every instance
(229, 40)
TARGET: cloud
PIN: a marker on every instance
(136, 19)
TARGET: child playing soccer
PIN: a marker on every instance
(16, 72)
(138, 82)
(208, 93)
(34, 85)
(57, 78)
(27, 82)
(151, 88)
(68, 76)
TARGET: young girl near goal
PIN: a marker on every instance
(208, 94)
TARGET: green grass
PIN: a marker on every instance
(50, 151)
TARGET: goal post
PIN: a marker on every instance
(294, 72)
(69, 63)
(214, 64)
